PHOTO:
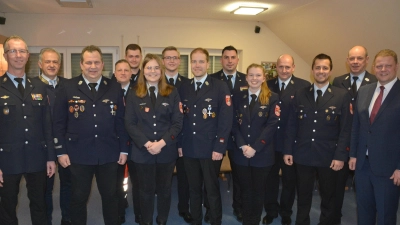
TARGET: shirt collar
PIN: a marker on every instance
(323, 89)
(360, 77)
(87, 82)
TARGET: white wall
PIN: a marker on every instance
(77, 30)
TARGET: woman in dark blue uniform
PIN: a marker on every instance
(253, 129)
(153, 119)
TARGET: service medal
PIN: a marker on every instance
(213, 115)
(76, 114)
(82, 108)
(6, 110)
(260, 114)
(71, 109)
(328, 117)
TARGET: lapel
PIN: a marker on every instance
(275, 86)
(367, 79)
(389, 98)
(310, 96)
(238, 81)
(245, 105)
(255, 109)
(8, 84)
(84, 88)
(28, 88)
(159, 100)
(326, 97)
(289, 88)
(104, 86)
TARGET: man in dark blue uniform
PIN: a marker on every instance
(207, 124)
(90, 136)
(237, 84)
(318, 132)
(285, 84)
(172, 60)
(26, 145)
(133, 54)
(49, 64)
(357, 61)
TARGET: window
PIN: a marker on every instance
(70, 63)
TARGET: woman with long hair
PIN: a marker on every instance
(253, 128)
(153, 119)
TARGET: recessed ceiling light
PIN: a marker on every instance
(243, 10)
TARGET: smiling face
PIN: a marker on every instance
(49, 64)
(321, 71)
(123, 73)
(385, 69)
(285, 67)
(199, 64)
(134, 57)
(357, 60)
(92, 66)
(171, 61)
(255, 77)
(152, 72)
(16, 55)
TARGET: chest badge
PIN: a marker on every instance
(6, 110)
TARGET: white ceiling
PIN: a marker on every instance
(308, 27)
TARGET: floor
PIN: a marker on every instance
(95, 212)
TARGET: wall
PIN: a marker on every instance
(79, 30)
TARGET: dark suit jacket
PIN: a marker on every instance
(201, 135)
(240, 88)
(284, 104)
(256, 129)
(145, 123)
(51, 91)
(318, 135)
(382, 137)
(86, 128)
(26, 142)
(345, 82)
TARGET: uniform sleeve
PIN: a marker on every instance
(120, 124)
(60, 121)
(267, 134)
(171, 135)
(131, 121)
(225, 115)
(345, 130)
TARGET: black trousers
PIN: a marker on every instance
(36, 186)
(155, 179)
(271, 205)
(65, 192)
(122, 200)
(205, 171)
(252, 185)
(327, 186)
(342, 176)
(49, 198)
(183, 186)
(106, 178)
(133, 175)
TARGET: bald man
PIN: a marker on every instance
(357, 61)
(285, 84)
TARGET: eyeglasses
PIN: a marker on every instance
(152, 68)
(14, 51)
(171, 58)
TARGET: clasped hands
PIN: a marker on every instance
(248, 151)
(155, 147)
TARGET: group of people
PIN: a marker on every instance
(148, 119)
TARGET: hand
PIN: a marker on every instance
(51, 168)
(180, 152)
(249, 152)
(148, 144)
(216, 156)
(336, 165)
(1, 178)
(64, 160)
(352, 163)
(288, 159)
(155, 147)
(396, 177)
(122, 159)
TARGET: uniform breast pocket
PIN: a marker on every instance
(263, 111)
(8, 113)
(209, 110)
(331, 117)
(302, 113)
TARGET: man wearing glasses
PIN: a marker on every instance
(172, 61)
(26, 144)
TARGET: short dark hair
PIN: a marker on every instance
(171, 48)
(229, 48)
(122, 61)
(322, 56)
(133, 47)
(91, 48)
